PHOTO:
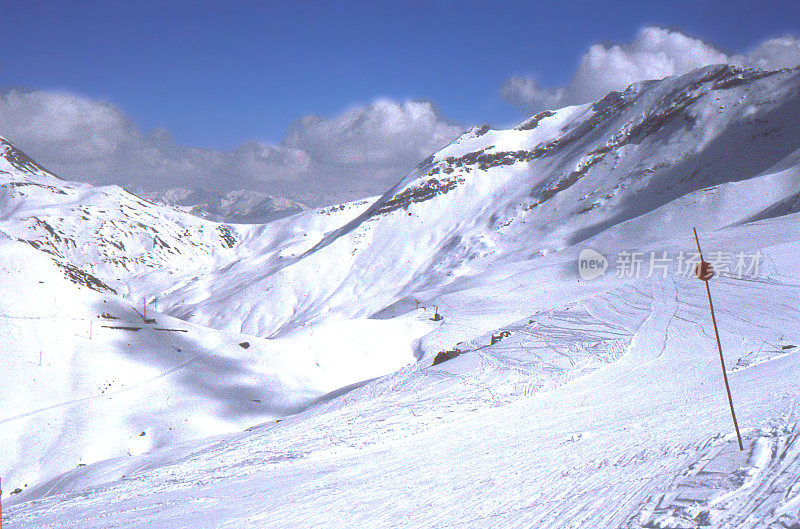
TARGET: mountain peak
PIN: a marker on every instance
(11, 156)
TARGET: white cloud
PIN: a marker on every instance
(84, 130)
(360, 152)
(363, 151)
(783, 52)
(351, 139)
(526, 94)
(654, 54)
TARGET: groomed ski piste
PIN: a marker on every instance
(283, 375)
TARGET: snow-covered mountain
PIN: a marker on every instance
(567, 401)
(239, 206)
(499, 197)
(94, 371)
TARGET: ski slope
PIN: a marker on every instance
(614, 416)
(88, 378)
(571, 402)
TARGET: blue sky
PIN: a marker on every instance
(330, 101)
(219, 73)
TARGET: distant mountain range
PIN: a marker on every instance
(240, 206)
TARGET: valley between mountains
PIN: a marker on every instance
(167, 370)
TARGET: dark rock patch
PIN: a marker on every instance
(444, 356)
(533, 122)
(79, 277)
(228, 240)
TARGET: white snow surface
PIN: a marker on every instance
(572, 403)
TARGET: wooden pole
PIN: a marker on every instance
(703, 265)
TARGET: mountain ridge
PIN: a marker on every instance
(474, 252)
(581, 167)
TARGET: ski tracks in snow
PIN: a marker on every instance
(758, 488)
(650, 341)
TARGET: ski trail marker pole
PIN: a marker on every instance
(704, 272)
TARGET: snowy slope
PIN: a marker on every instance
(491, 197)
(119, 237)
(87, 376)
(525, 433)
(572, 403)
(496, 197)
